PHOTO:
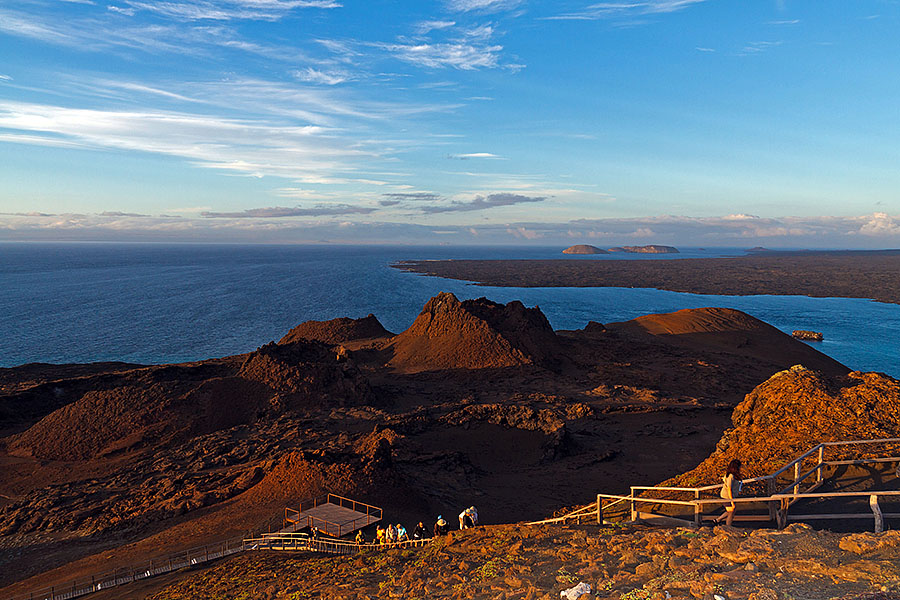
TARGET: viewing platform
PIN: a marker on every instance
(333, 515)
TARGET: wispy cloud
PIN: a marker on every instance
(784, 22)
(128, 12)
(250, 147)
(474, 155)
(416, 196)
(626, 9)
(702, 49)
(463, 55)
(481, 5)
(5, 77)
(280, 212)
(117, 213)
(223, 10)
(483, 203)
(311, 75)
(425, 27)
(759, 47)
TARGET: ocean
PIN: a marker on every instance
(163, 303)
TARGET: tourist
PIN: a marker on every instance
(420, 533)
(468, 518)
(402, 536)
(390, 535)
(360, 538)
(731, 488)
(441, 527)
(379, 535)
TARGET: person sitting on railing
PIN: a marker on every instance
(441, 527)
(360, 538)
(420, 533)
(402, 536)
(731, 488)
(390, 534)
(379, 535)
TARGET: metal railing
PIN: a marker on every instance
(258, 539)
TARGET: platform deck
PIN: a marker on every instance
(331, 519)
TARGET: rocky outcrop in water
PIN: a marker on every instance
(649, 249)
(584, 249)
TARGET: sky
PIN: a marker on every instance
(692, 122)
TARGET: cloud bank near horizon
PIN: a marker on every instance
(285, 225)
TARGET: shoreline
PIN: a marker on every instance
(862, 274)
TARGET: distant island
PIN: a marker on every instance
(649, 249)
(584, 249)
(822, 274)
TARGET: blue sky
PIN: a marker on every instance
(701, 122)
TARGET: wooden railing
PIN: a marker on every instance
(805, 476)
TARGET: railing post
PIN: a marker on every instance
(599, 510)
(876, 510)
(797, 476)
(633, 511)
(820, 470)
(698, 510)
(770, 489)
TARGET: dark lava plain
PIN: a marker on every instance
(846, 274)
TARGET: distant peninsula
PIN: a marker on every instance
(846, 274)
(584, 249)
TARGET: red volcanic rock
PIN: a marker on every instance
(306, 374)
(733, 331)
(148, 406)
(584, 249)
(84, 428)
(797, 408)
(474, 334)
(338, 331)
(294, 478)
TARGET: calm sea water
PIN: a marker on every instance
(170, 303)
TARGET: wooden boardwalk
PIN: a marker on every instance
(803, 480)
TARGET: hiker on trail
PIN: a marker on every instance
(360, 538)
(441, 527)
(379, 534)
(420, 533)
(468, 518)
(314, 533)
(390, 535)
(731, 488)
(402, 536)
